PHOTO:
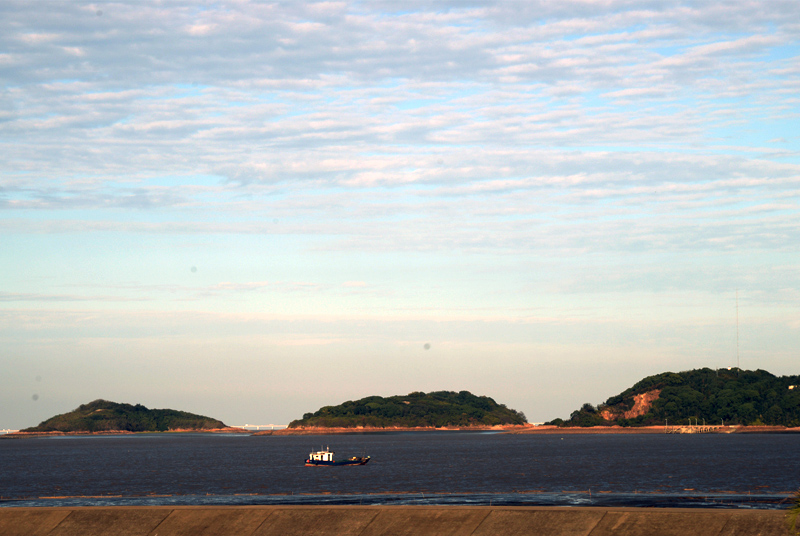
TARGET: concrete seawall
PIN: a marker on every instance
(385, 520)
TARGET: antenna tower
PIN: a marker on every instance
(737, 331)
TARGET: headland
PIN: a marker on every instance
(106, 417)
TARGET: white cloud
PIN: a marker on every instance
(550, 162)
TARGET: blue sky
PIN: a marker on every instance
(252, 210)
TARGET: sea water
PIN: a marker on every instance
(702, 470)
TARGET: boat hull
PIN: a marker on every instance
(358, 460)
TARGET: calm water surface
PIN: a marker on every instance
(749, 471)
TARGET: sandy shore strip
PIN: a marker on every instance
(522, 429)
(229, 430)
(512, 429)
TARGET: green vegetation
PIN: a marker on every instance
(793, 517)
(437, 409)
(104, 416)
(714, 396)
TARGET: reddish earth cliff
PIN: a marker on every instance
(641, 405)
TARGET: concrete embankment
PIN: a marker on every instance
(394, 520)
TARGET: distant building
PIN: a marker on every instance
(257, 427)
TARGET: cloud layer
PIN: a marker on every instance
(536, 162)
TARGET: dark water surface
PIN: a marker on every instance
(747, 471)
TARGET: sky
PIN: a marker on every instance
(251, 210)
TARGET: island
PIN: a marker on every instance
(438, 410)
(103, 416)
(698, 400)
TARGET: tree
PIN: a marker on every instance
(438, 409)
(732, 396)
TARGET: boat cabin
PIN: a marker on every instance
(321, 456)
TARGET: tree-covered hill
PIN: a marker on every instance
(437, 409)
(103, 416)
(715, 396)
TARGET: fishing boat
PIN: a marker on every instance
(325, 458)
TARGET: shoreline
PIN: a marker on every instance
(319, 430)
(511, 429)
(525, 429)
(57, 433)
